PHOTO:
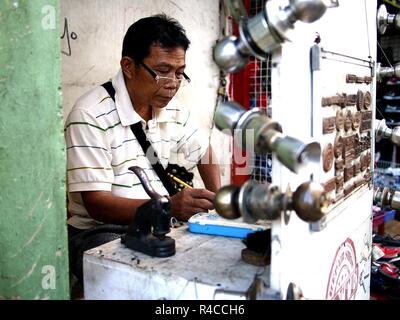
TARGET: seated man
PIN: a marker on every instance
(101, 145)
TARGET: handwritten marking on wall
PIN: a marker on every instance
(68, 36)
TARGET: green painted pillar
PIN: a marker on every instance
(33, 234)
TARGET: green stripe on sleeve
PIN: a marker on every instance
(90, 124)
(89, 168)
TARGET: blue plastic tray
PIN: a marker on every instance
(213, 224)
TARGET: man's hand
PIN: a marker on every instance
(188, 202)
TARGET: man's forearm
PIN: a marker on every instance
(107, 208)
(209, 171)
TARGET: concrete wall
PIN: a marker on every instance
(33, 242)
(93, 31)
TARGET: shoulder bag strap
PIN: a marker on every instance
(147, 148)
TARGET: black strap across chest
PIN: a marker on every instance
(147, 148)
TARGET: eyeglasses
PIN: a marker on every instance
(165, 81)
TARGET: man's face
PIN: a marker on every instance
(165, 62)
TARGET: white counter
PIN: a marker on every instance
(201, 265)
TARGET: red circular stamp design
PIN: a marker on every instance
(343, 278)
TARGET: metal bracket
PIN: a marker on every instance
(331, 3)
(315, 58)
(236, 9)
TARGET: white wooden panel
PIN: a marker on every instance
(299, 254)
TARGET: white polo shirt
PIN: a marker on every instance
(101, 146)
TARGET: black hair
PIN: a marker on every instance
(160, 30)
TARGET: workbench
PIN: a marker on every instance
(204, 267)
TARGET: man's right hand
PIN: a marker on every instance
(188, 202)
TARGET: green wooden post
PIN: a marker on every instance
(33, 237)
